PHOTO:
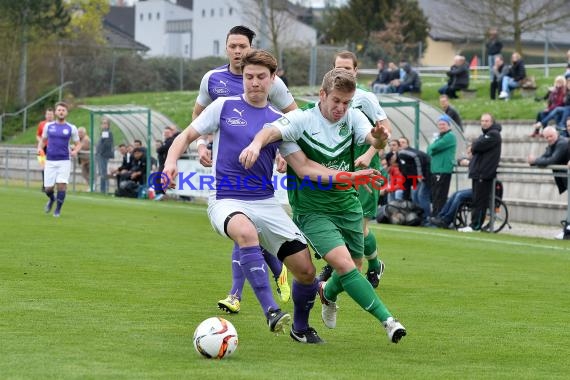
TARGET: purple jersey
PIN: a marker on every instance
(235, 123)
(59, 136)
(221, 82)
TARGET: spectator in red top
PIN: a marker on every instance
(49, 116)
(556, 98)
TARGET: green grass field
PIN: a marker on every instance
(114, 289)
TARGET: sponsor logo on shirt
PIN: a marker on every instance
(221, 91)
(236, 121)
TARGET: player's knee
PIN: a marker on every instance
(241, 229)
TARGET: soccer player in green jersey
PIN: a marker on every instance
(331, 217)
(366, 157)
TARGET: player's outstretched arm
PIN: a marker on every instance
(306, 168)
(377, 137)
(178, 147)
(250, 154)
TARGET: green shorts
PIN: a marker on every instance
(326, 232)
(369, 201)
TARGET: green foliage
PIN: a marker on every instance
(115, 288)
(357, 21)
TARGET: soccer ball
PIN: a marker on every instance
(215, 338)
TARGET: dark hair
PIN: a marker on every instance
(345, 54)
(242, 31)
(49, 109)
(261, 58)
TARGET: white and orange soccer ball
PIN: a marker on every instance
(215, 338)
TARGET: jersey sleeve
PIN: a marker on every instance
(209, 121)
(290, 125)
(279, 94)
(371, 108)
(204, 98)
(361, 126)
(287, 147)
(74, 133)
(45, 131)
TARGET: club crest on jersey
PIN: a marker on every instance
(236, 121)
(343, 130)
(65, 132)
(283, 121)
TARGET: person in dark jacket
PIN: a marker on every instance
(493, 47)
(498, 71)
(556, 154)
(486, 151)
(411, 82)
(514, 77)
(170, 134)
(105, 150)
(458, 77)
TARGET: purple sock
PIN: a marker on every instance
(238, 278)
(303, 300)
(50, 195)
(255, 270)
(273, 262)
(60, 199)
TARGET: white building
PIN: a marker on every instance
(164, 27)
(173, 30)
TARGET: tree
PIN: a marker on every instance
(394, 42)
(472, 19)
(359, 20)
(29, 16)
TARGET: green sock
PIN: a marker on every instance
(333, 287)
(360, 290)
(370, 251)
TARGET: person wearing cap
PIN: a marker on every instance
(486, 154)
(442, 153)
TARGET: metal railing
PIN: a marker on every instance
(24, 111)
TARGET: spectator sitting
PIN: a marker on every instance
(393, 78)
(515, 75)
(382, 80)
(567, 72)
(566, 131)
(127, 163)
(458, 77)
(498, 71)
(411, 81)
(556, 99)
(395, 187)
(450, 111)
(559, 114)
(556, 153)
(131, 181)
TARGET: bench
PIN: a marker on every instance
(468, 93)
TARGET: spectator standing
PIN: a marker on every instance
(515, 75)
(450, 111)
(104, 151)
(556, 154)
(499, 70)
(58, 165)
(458, 75)
(416, 164)
(486, 154)
(170, 134)
(493, 47)
(49, 116)
(83, 158)
(442, 154)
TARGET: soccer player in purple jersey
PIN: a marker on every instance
(227, 80)
(58, 164)
(247, 211)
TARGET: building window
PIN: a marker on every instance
(231, 11)
(221, 12)
(142, 17)
(212, 12)
(158, 15)
(203, 13)
(149, 16)
(216, 48)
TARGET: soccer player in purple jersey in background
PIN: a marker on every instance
(250, 215)
(227, 80)
(58, 164)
